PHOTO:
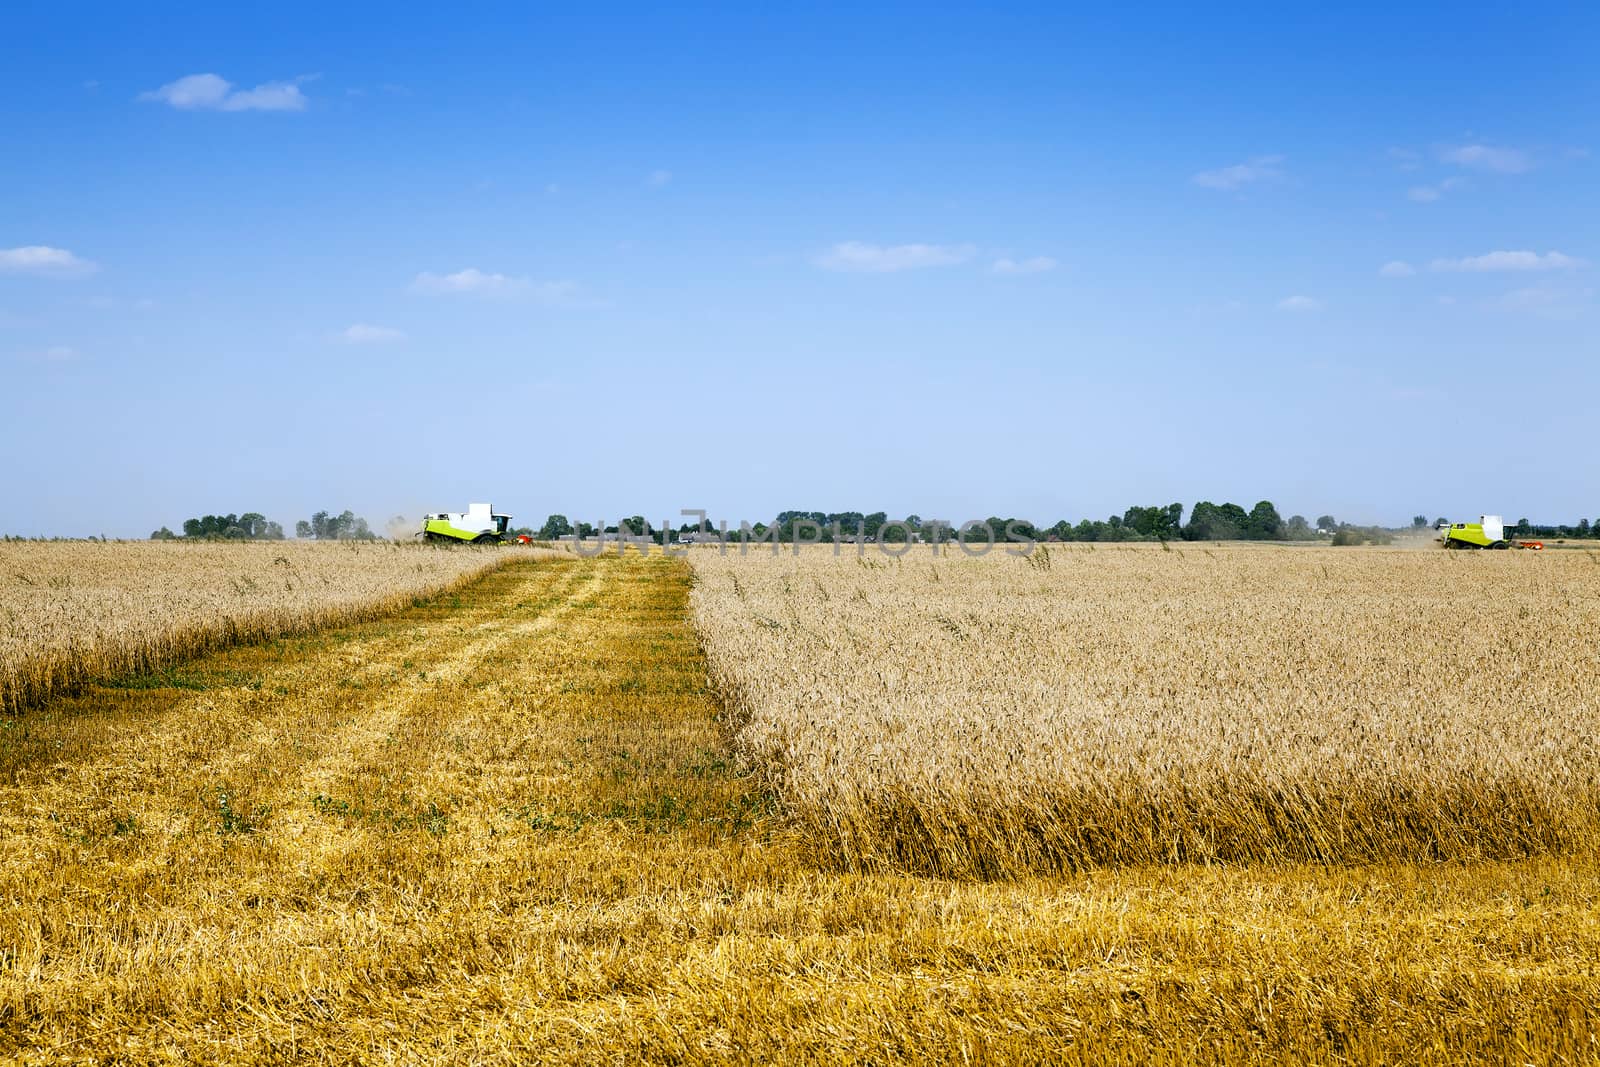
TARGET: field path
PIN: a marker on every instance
(504, 827)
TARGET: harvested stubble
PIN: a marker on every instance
(990, 716)
(71, 612)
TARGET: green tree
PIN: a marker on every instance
(1158, 522)
(257, 527)
(850, 522)
(1264, 523)
(345, 526)
(1418, 522)
(1216, 522)
(556, 526)
(937, 530)
(895, 533)
(1327, 522)
(251, 526)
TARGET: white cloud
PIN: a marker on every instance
(1299, 303)
(1547, 301)
(1533, 298)
(1031, 265)
(1495, 261)
(44, 261)
(273, 96)
(1427, 194)
(365, 334)
(1397, 268)
(1405, 158)
(1487, 157)
(658, 178)
(561, 293)
(1258, 169)
(861, 257)
(192, 91)
(470, 280)
(479, 283)
(211, 92)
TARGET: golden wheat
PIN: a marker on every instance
(504, 827)
(1000, 714)
(72, 611)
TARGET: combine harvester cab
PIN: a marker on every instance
(1488, 532)
(478, 525)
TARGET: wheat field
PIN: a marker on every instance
(515, 823)
(78, 610)
(1079, 706)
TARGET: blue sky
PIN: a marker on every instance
(1046, 262)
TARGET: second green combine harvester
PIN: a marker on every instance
(478, 525)
(1488, 532)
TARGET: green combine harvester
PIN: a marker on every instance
(478, 525)
(1488, 532)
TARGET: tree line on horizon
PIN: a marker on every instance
(1210, 522)
(253, 526)
(1207, 522)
